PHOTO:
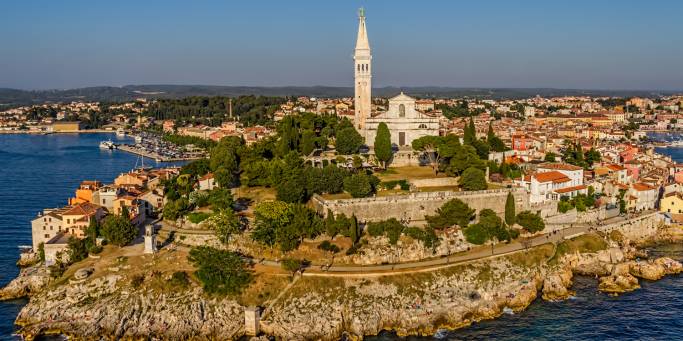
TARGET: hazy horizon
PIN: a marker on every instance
(493, 44)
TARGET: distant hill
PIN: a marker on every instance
(13, 97)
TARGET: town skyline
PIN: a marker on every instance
(492, 45)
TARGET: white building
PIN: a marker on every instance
(553, 181)
(405, 123)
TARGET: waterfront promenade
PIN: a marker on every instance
(476, 254)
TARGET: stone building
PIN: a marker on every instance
(404, 121)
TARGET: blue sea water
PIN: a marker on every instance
(43, 171)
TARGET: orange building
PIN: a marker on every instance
(77, 218)
(85, 191)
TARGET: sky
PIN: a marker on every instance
(599, 44)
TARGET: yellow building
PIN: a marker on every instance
(67, 126)
(672, 203)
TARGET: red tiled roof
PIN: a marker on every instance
(559, 166)
(553, 176)
(85, 208)
(570, 189)
(642, 187)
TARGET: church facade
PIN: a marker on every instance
(404, 121)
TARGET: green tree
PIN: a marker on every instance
(118, 230)
(382, 146)
(307, 142)
(473, 179)
(354, 230)
(358, 185)
(550, 157)
(77, 250)
(348, 141)
(220, 199)
(453, 212)
(220, 272)
(530, 221)
(225, 224)
(470, 133)
(430, 146)
(510, 214)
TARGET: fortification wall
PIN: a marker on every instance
(412, 208)
(636, 228)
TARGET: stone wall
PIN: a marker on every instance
(636, 228)
(434, 182)
(413, 207)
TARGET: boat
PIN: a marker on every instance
(677, 143)
(138, 139)
(120, 132)
(107, 145)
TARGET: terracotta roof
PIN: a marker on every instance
(615, 167)
(554, 176)
(85, 208)
(206, 177)
(560, 166)
(642, 187)
(570, 189)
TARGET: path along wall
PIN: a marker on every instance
(412, 208)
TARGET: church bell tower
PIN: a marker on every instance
(362, 100)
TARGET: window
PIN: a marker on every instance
(401, 110)
(47, 235)
(423, 126)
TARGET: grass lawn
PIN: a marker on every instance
(409, 172)
(256, 194)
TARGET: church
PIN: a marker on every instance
(404, 121)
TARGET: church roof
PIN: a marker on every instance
(401, 97)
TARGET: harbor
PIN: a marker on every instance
(155, 147)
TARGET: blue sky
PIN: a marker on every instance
(596, 44)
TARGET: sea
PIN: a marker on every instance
(43, 171)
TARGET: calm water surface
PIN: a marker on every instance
(39, 172)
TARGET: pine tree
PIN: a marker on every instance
(470, 133)
(510, 209)
(383, 144)
(353, 229)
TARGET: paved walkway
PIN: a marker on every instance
(447, 261)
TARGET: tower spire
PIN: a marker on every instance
(362, 42)
(362, 76)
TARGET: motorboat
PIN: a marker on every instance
(107, 145)
(120, 132)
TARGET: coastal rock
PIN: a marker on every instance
(618, 284)
(670, 266)
(556, 285)
(31, 280)
(647, 270)
(27, 259)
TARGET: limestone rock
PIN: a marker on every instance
(30, 281)
(556, 285)
(618, 284)
(647, 270)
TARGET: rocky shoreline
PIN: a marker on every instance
(418, 303)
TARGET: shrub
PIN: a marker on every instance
(197, 217)
(473, 179)
(220, 272)
(530, 221)
(291, 264)
(327, 246)
(180, 279)
(358, 185)
(119, 230)
(453, 212)
(137, 280)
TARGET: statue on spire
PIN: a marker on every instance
(361, 12)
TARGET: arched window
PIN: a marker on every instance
(401, 110)
(423, 126)
(358, 67)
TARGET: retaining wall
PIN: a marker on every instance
(412, 208)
